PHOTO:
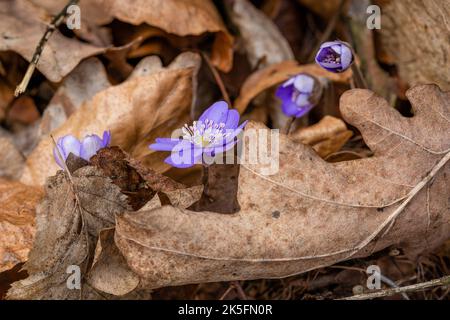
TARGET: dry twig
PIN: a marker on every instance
(444, 281)
(54, 24)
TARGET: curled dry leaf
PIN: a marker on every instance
(179, 17)
(17, 211)
(85, 81)
(311, 213)
(326, 137)
(412, 29)
(263, 42)
(69, 220)
(136, 111)
(266, 78)
(24, 24)
(110, 272)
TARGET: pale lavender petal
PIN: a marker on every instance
(302, 100)
(69, 144)
(289, 82)
(330, 44)
(337, 48)
(304, 83)
(346, 57)
(57, 157)
(90, 145)
(66, 145)
(217, 113)
(164, 144)
(232, 119)
(106, 138)
(183, 157)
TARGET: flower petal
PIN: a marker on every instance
(285, 93)
(289, 108)
(304, 83)
(164, 144)
(217, 113)
(69, 144)
(65, 146)
(182, 157)
(106, 138)
(346, 57)
(303, 111)
(232, 119)
(302, 100)
(90, 145)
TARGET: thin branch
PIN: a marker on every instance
(444, 281)
(54, 24)
(218, 79)
(239, 290)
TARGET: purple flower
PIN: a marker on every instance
(85, 148)
(299, 95)
(215, 132)
(335, 56)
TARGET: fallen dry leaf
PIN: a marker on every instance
(22, 111)
(110, 272)
(24, 24)
(6, 96)
(81, 207)
(311, 213)
(12, 161)
(412, 29)
(326, 137)
(266, 78)
(136, 111)
(68, 223)
(179, 17)
(263, 42)
(17, 227)
(86, 80)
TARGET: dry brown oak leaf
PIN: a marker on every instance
(179, 17)
(76, 208)
(311, 213)
(23, 24)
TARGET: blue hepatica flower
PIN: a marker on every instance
(335, 56)
(215, 132)
(299, 95)
(85, 148)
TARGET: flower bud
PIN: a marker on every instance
(299, 94)
(335, 56)
(85, 148)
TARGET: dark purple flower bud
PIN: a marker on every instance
(215, 132)
(335, 56)
(85, 148)
(299, 95)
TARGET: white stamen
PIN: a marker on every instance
(205, 134)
